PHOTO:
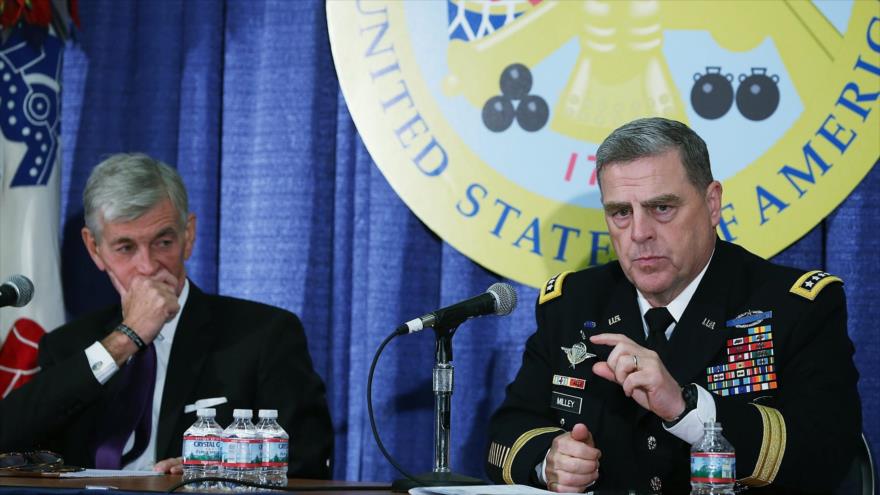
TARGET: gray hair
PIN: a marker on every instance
(126, 185)
(654, 136)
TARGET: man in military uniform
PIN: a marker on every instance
(631, 358)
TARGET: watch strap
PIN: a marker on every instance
(131, 334)
(689, 394)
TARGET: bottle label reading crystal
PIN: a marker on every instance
(275, 452)
(241, 452)
(198, 450)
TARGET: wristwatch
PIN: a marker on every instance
(689, 394)
(131, 334)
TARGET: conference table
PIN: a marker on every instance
(69, 486)
(152, 484)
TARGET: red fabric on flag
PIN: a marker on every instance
(30, 164)
(38, 12)
(10, 12)
(18, 355)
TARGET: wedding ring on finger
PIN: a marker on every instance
(635, 362)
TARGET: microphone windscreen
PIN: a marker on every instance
(505, 298)
(24, 287)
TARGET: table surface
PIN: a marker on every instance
(163, 483)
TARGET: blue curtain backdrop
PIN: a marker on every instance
(242, 97)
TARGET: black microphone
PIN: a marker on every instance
(499, 299)
(16, 291)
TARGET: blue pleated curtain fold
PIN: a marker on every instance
(242, 97)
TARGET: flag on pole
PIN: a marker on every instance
(30, 163)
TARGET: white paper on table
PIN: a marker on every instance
(108, 473)
(481, 490)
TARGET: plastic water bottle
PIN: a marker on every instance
(202, 445)
(241, 449)
(275, 444)
(713, 463)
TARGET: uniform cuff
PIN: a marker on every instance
(101, 362)
(540, 469)
(519, 463)
(690, 427)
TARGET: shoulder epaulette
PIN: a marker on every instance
(811, 283)
(553, 288)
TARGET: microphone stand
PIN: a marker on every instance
(442, 386)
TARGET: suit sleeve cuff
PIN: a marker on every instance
(690, 427)
(101, 362)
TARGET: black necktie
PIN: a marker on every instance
(658, 320)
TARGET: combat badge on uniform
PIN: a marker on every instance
(577, 353)
(811, 284)
(750, 318)
(553, 288)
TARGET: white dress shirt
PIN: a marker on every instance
(690, 427)
(103, 366)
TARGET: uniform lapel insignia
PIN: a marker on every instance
(577, 354)
(588, 325)
(710, 324)
(614, 319)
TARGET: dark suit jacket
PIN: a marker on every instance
(253, 354)
(800, 435)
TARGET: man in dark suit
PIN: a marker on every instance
(168, 348)
(630, 359)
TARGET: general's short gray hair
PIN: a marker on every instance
(654, 136)
(126, 185)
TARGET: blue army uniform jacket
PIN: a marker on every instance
(769, 342)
